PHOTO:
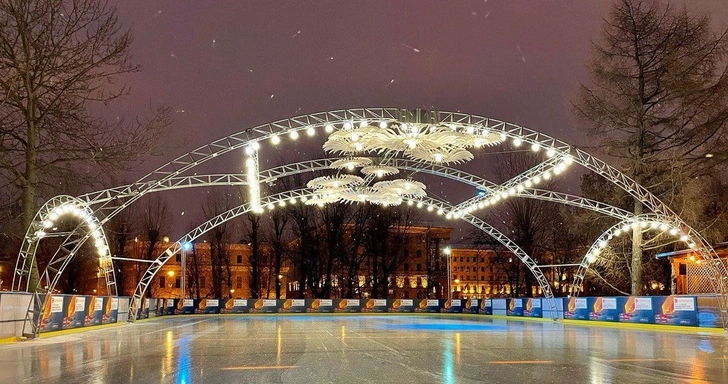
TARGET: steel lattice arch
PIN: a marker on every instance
(381, 141)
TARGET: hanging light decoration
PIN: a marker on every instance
(334, 181)
(379, 170)
(351, 162)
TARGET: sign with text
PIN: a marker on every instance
(532, 308)
(236, 306)
(403, 305)
(263, 305)
(293, 305)
(320, 305)
(374, 305)
(675, 310)
(515, 307)
(347, 305)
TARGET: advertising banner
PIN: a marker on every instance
(209, 306)
(76, 312)
(236, 306)
(53, 313)
(577, 308)
(320, 305)
(187, 307)
(603, 308)
(96, 310)
(403, 305)
(451, 306)
(429, 306)
(472, 306)
(636, 309)
(292, 305)
(515, 307)
(347, 305)
(111, 313)
(486, 307)
(263, 305)
(533, 308)
(374, 305)
(170, 307)
(675, 310)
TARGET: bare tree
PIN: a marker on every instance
(220, 240)
(658, 100)
(154, 221)
(57, 59)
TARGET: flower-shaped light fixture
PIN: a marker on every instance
(351, 162)
(379, 170)
(436, 143)
(334, 181)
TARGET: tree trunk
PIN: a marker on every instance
(637, 253)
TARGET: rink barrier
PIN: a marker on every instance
(76, 311)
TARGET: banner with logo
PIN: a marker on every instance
(577, 308)
(111, 311)
(187, 307)
(347, 305)
(292, 305)
(403, 305)
(236, 306)
(514, 307)
(486, 306)
(472, 305)
(603, 308)
(53, 313)
(320, 305)
(451, 306)
(96, 310)
(374, 305)
(675, 310)
(533, 307)
(636, 309)
(76, 310)
(263, 305)
(429, 306)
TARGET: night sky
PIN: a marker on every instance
(224, 66)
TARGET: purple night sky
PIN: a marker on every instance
(224, 66)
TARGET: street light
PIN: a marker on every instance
(447, 251)
(186, 246)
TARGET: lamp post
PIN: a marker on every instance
(183, 279)
(447, 251)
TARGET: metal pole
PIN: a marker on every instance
(184, 273)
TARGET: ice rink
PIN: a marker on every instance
(364, 349)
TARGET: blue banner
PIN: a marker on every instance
(533, 308)
(637, 309)
(603, 308)
(515, 307)
(486, 306)
(576, 308)
(429, 306)
(451, 306)
(403, 305)
(675, 310)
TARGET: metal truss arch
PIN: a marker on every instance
(117, 200)
(43, 225)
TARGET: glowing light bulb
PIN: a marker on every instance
(347, 125)
(364, 123)
(329, 128)
(275, 140)
(310, 131)
(550, 153)
(535, 147)
(294, 135)
(517, 142)
(438, 157)
(382, 124)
